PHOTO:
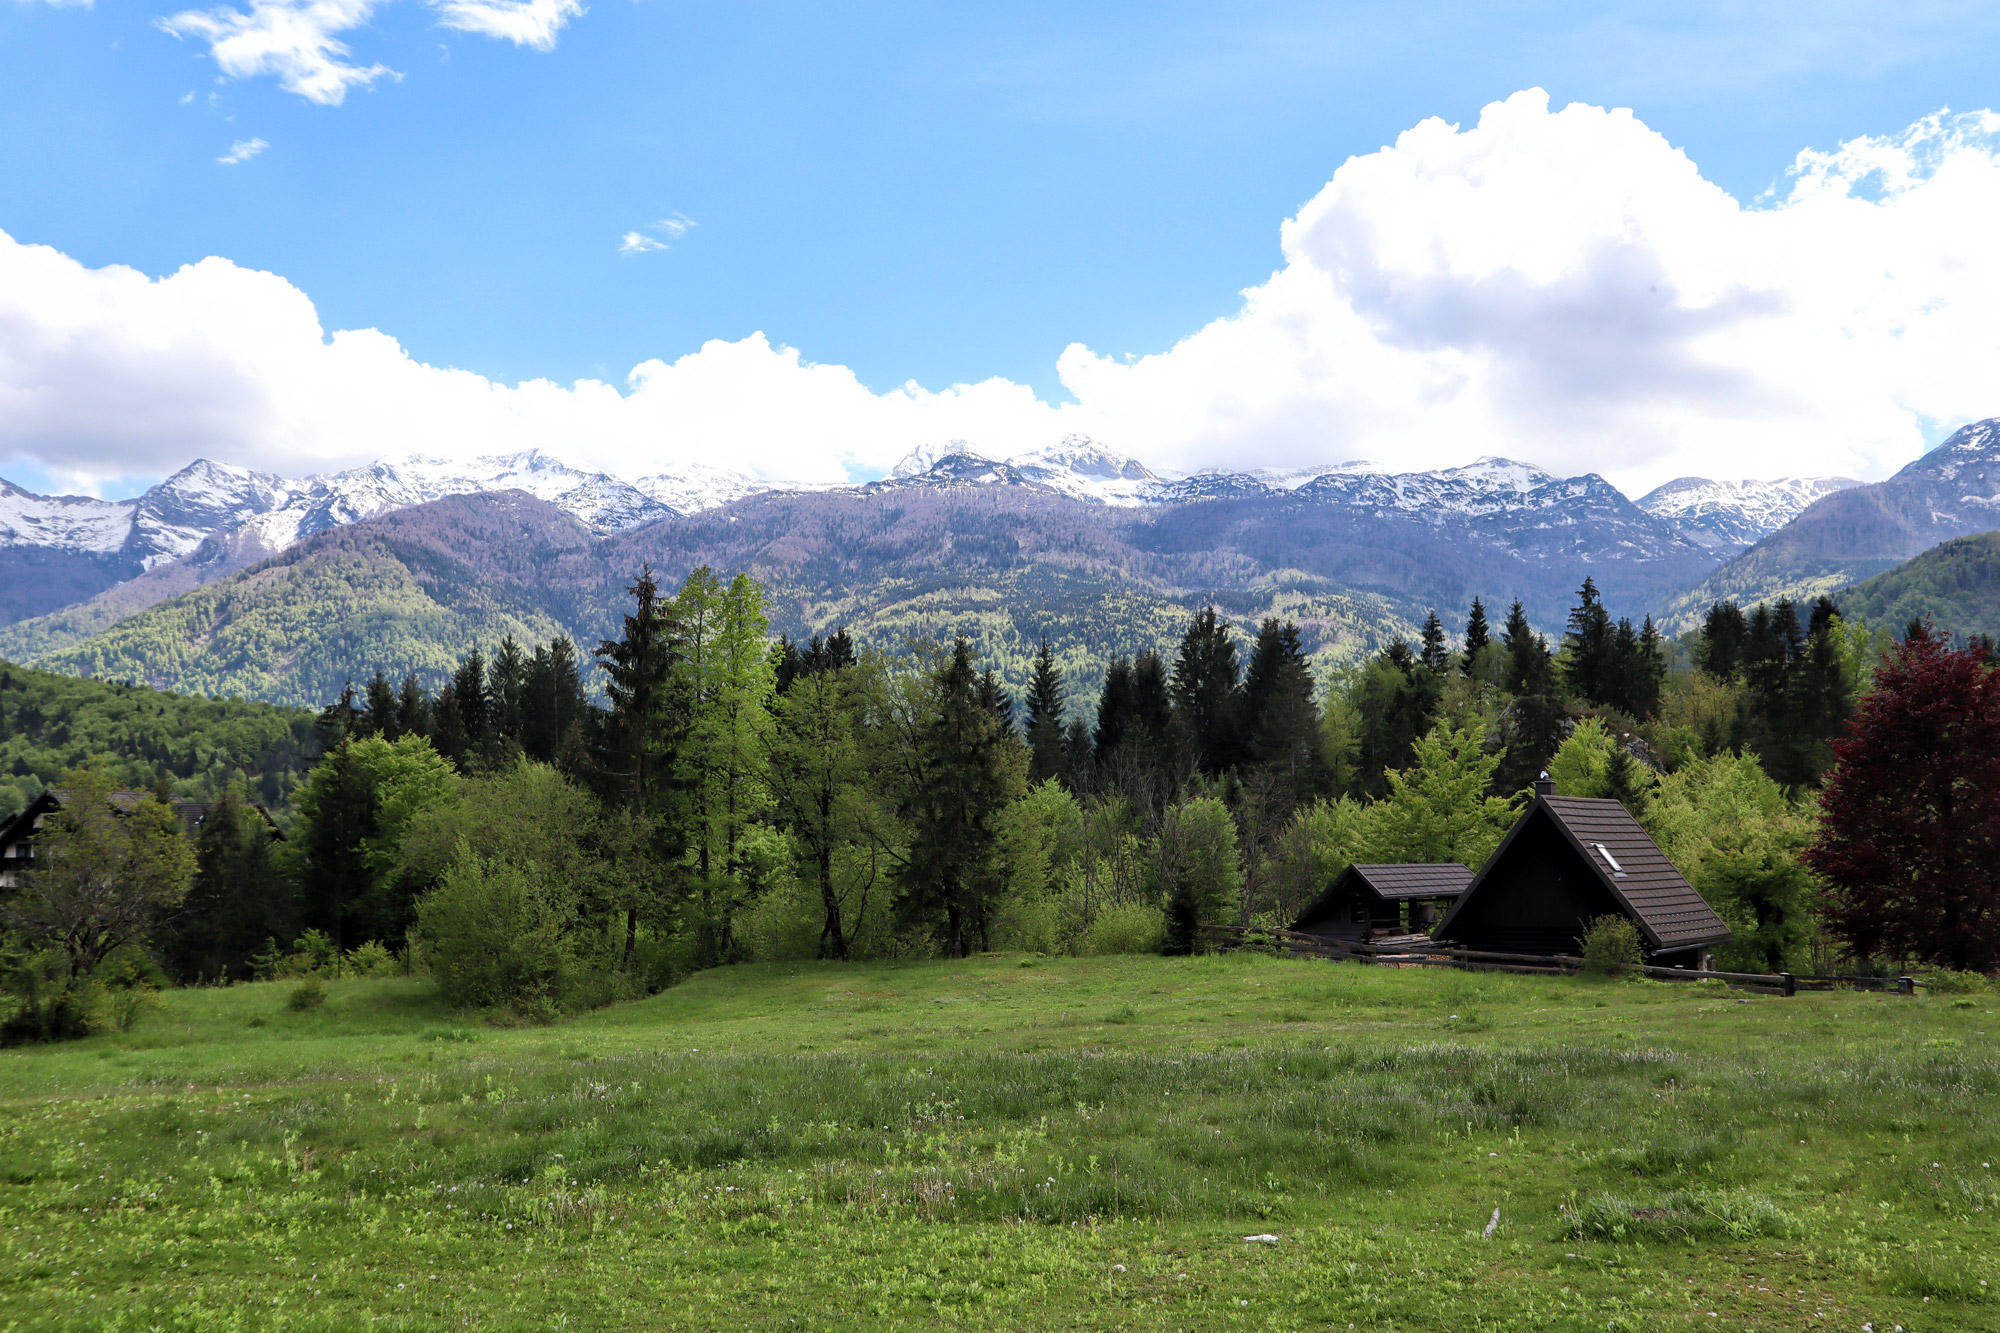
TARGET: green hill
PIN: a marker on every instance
(51, 722)
(1954, 585)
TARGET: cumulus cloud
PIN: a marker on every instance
(523, 22)
(1565, 287)
(242, 151)
(290, 39)
(1558, 286)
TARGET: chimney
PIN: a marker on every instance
(1545, 785)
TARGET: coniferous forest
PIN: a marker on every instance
(554, 828)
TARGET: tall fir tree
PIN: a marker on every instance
(1435, 656)
(1207, 692)
(1477, 635)
(1045, 704)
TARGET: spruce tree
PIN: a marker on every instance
(1590, 667)
(382, 708)
(1721, 648)
(993, 697)
(968, 773)
(1207, 693)
(1046, 700)
(413, 709)
(506, 689)
(1434, 655)
(639, 733)
(1477, 635)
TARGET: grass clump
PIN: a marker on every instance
(1680, 1216)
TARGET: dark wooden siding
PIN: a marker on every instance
(1537, 899)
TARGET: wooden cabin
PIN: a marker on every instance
(17, 832)
(1369, 901)
(1568, 860)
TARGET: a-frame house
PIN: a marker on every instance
(1567, 861)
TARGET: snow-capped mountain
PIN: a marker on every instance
(689, 488)
(594, 498)
(70, 523)
(1729, 516)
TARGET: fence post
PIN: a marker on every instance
(1906, 985)
(1789, 982)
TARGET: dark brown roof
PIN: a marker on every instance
(1415, 881)
(1393, 883)
(192, 814)
(1666, 907)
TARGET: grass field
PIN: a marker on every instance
(1010, 1143)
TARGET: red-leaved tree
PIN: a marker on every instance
(1909, 828)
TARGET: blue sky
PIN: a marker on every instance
(916, 192)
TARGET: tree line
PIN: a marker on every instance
(544, 831)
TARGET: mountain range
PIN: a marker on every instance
(1857, 532)
(230, 581)
(226, 580)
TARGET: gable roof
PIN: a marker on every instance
(1414, 881)
(1393, 883)
(1627, 862)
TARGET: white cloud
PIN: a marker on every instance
(291, 39)
(242, 151)
(1566, 288)
(638, 242)
(1562, 287)
(523, 22)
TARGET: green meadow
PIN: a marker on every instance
(1016, 1143)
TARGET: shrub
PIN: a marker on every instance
(128, 1004)
(1611, 946)
(315, 951)
(1127, 928)
(308, 994)
(495, 936)
(1947, 982)
(372, 959)
(52, 1006)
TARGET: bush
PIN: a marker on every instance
(495, 935)
(372, 959)
(128, 1004)
(1947, 982)
(52, 1006)
(1611, 946)
(308, 994)
(1130, 928)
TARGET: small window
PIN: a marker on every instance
(1617, 871)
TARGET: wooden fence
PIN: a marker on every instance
(1426, 953)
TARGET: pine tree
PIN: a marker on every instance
(640, 732)
(1627, 781)
(1721, 648)
(237, 900)
(1046, 701)
(1281, 719)
(1434, 655)
(1207, 693)
(413, 709)
(473, 700)
(506, 688)
(1477, 635)
(1114, 710)
(382, 708)
(967, 774)
(337, 813)
(1591, 670)
(995, 699)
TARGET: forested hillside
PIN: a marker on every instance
(1955, 586)
(50, 722)
(1002, 565)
